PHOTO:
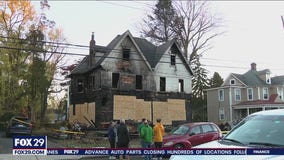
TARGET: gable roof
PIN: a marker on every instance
(250, 78)
(149, 52)
(278, 80)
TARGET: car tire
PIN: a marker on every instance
(178, 146)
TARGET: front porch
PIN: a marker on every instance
(240, 112)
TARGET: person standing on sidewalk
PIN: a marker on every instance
(159, 131)
(147, 137)
(142, 124)
(123, 137)
(111, 137)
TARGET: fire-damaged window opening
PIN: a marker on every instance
(74, 109)
(138, 82)
(180, 85)
(125, 54)
(115, 79)
(80, 85)
(173, 59)
(162, 84)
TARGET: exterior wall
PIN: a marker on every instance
(128, 107)
(87, 109)
(172, 73)
(213, 105)
(127, 69)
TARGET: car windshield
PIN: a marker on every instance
(259, 131)
(180, 130)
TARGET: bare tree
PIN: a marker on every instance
(191, 23)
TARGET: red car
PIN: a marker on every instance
(192, 134)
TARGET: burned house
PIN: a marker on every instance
(131, 78)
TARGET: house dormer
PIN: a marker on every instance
(263, 75)
(267, 78)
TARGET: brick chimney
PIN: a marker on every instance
(91, 50)
(253, 66)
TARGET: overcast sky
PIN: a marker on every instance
(254, 30)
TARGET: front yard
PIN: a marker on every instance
(91, 140)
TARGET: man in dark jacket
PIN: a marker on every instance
(123, 137)
(111, 136)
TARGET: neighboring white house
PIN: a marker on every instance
(243, 94)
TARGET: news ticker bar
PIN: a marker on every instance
(130, 151)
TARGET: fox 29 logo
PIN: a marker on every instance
(29, 142)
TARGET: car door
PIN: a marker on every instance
(195, 135)
(208, 133)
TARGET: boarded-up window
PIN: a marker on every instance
(180, 85)
(115, 79)
(138, 82)
(126, 54)
(162, 84)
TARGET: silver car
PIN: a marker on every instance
(264, 129)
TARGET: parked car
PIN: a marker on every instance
(19, 126)
(192, 134)
(264, 129)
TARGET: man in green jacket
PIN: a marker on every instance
(147, 137)
(142, 124)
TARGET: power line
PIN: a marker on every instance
(77, 54)
(49, 42)
(113, 51)
(116, 4)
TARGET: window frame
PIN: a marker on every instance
(115, 80)
(238, 94)
(232, 80)
(221, 97)
(265, 92)
(221, 113)
(162, 84)
(126, 54)
(248, 94)
(280, 92)
(173, 59)
(180, 85)
(139, 86)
